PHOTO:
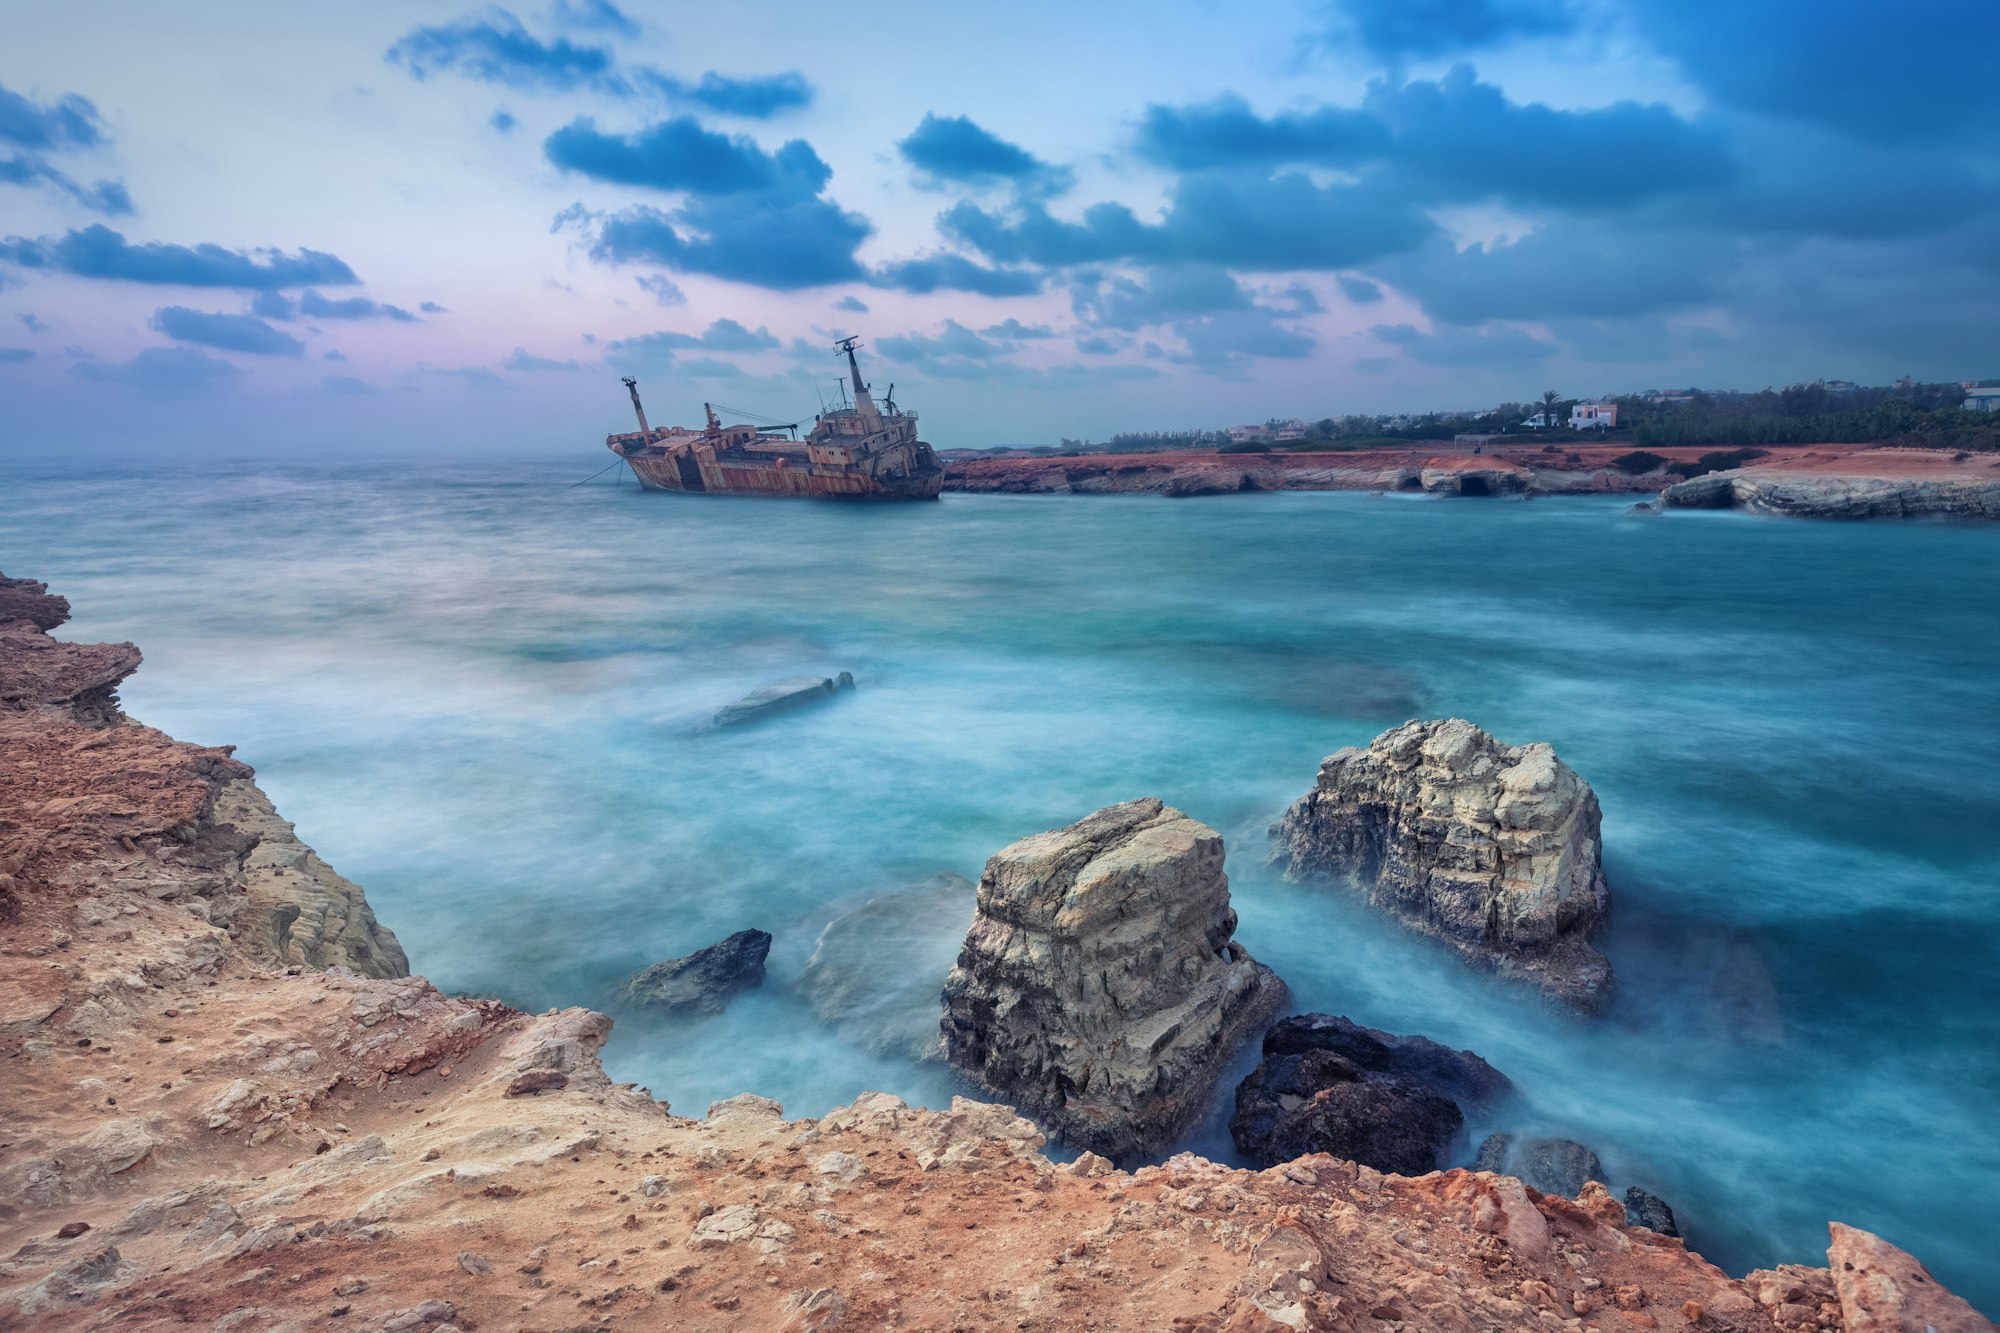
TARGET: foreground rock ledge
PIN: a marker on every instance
(200, 1128)
(1099, 988)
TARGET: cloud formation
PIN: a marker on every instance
(953, 149)
(754, 97)
(162, 369)
(229, 333)
(32, 129)
(1398, 30)
(494, 47)
(679, 154)
(99, 252)
(946, 272)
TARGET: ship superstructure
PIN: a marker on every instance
(856, 450)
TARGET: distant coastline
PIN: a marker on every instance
(1818, 480)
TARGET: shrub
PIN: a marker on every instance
(1637, 462)
(1246, 447)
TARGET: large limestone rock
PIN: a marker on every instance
(703, 981)
(1098, 988)
(1884, 1290)
(1492, 848)
(1804, 495)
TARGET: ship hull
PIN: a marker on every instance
(724, 477)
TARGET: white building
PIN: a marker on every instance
(1248, 434)
(1593, 416)
(1983, 398)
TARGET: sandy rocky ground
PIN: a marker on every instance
(224, 1105)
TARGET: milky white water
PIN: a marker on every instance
(478, 692)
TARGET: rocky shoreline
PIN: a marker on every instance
(228, 1105)
(1816, 481)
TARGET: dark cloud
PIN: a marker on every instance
(707, 368)
(1396, 30)
(27, 169)
(954, 149)
(1454, 139)
(785, 238)
(755, 97)
(495, 48)
(662, 289)
(724, 335)
(679, 154)
(1496, 346)
(68, 122)
(1167, 294)
(1299, 299)
(524, 360)
(16, 355)
(1096, 346)
(1923, 68)
(311, 305)
(1284, 222)
(955, 273)
(503, 122)
(229, 333)
(314, 306)
(594, 16)
(433, 308)
(34, 323)
(99, 252)
(1360, 290)
(1233, 334)
(1226, 132)
(1575, 268)
(333, 355)
(852, 304)
(1458, 138)
(955, 341)
(174, 369)
(1013, 330)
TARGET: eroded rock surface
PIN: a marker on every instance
(704, 981)
(783, 697)
(1492, 848)
(1327, 1084)
(1768, 491)
(1100, 988)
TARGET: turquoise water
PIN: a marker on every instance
(479, 691)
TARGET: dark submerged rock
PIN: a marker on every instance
(1650, 1211)
(783, 697)
(1553, 1166)
(1327, 1084)
(705, 979)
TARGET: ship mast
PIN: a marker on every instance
(645, 431)
(871, 419)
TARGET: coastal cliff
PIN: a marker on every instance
(220, 1113)
(1875, 483)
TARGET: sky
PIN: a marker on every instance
(248, 228)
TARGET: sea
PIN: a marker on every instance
(484, 691)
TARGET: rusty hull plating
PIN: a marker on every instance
(856, 451)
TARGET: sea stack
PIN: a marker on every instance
(1099, 988)
(1493, 848)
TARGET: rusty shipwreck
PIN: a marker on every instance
(856, 450)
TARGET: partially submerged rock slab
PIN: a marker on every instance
(1099, 988)
(782, 697)
(704, 980)
(1492, 848)
(1327, 1084)
(875, 971)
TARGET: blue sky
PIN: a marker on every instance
(245, 227)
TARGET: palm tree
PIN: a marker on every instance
(1549, 400)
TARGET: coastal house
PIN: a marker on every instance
(1541, 421)
(1983, 396)
(1593, 416)
(1248, 434)
(1293, 429)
